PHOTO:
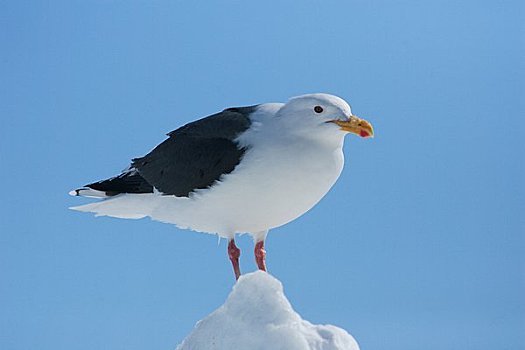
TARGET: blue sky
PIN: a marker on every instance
(419, 245)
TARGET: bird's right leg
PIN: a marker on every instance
(260, 253)
(234, 253)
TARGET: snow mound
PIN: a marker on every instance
(256, 316)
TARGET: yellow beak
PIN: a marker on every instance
(356, 126)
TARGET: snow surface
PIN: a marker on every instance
(256, 316)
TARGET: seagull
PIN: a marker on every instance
(242, 170)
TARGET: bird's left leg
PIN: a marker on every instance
(259, 252)
(234, 253)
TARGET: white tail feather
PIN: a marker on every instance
(125, 206)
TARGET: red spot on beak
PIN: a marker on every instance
(363, 133)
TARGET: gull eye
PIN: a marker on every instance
(318, 109)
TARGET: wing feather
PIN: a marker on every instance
(197, 154)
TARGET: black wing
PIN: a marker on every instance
(129, 181)
(197, 154)
(194, 156)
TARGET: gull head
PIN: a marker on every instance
(325, 112)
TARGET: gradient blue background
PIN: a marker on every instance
(420, 245)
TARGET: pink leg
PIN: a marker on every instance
(234, 253)
(260, 255)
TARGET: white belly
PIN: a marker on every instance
(258, 195)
